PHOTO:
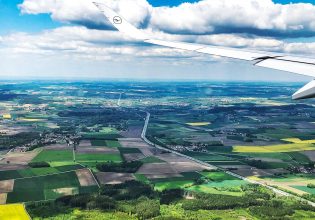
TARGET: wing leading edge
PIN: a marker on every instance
(298, 65)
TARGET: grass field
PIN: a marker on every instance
(46, 187)
(274, 148)
(207, 157)
(129, 150)
(141, 178)
(207, 189)
(279, 133)
(218, 176)
(277, 155)
(299, 157)
(54, 155)
(112, 143)
(227, 183)
(101, 136)
(31, 172)
(160, 186)
(108, 130)
(13, 212)
(98, 157)
(305, 189)
(98, 143)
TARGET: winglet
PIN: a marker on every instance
(120, 23)
(307, 91)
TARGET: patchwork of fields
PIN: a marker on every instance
(48, 186)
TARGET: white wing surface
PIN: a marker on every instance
(298, 65)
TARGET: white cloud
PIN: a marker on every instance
(77, 45)
(258, 17)
(85, 13)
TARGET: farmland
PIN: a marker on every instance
(14, 211)
(54, 156)
(47, 187)
(90, 149)
(275, 148)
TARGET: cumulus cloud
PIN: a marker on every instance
(77, 42)
(83, 12)
(80, 42)
(253, 17)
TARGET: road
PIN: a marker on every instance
(275, 190)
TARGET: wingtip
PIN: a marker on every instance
(306, 92)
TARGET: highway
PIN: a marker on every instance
(275, 190)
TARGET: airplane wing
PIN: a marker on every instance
(298, 65)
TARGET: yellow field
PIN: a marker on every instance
(13, 212)
(6, 116)
(274, 148)
(298, 141)
(198, 123)
(30, 119)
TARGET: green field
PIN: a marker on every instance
(112, 143)
(305, 189)
(98, 143)
(98, 157)
(207, 157)
(101, 136)
(54, 156)
(141, 178)
(227, 183)
(218, 176)
(278, 155)
(299, 157)
(173, 184)
(32, 172)
(109, 130)
(129, 150)
(213, 190)
(222, 163)
(45, 187)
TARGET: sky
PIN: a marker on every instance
(66, 39)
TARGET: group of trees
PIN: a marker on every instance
(124, 167)
(38, 164)
(218, 202)
(17, 140)
(132, 197)
(87, 201)
(140, 200)
(128, 191)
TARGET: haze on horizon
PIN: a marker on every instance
(65, 39)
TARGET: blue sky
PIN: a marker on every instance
(11, 19)
(41, 41)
